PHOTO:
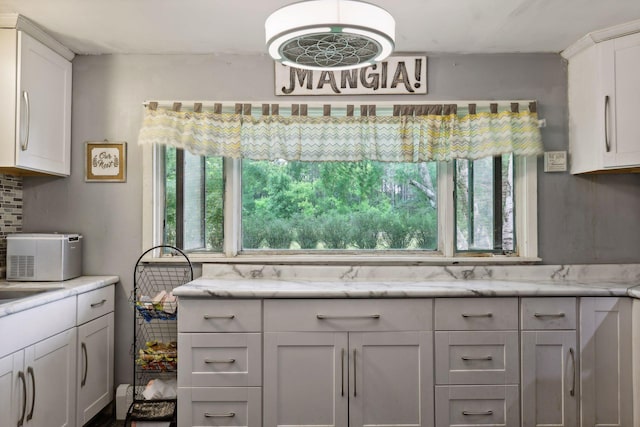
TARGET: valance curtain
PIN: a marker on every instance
(410, 134)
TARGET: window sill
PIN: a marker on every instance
(368, 259)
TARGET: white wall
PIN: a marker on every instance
(582, 219)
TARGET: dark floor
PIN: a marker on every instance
(106, 418)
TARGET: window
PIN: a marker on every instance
(484, 205)
(338, 206)
(218, 208)
(344, 207)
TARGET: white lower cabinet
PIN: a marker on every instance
(545, 361)
(606, 372)
(550, 391)
(37, 384)
(95, 367)
(366, 362)
(220, 368)
(549, 378)
(348, 379)
(477, 361)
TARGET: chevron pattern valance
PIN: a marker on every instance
(401, 133)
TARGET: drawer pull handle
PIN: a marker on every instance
(24, 394)
(342, 372)
(83, 346)
(572, 390)
(219, 360)
(477, 412)
(225, 415)
(363, 316)
(477, 358)
(549, 314)
(465, 315)
(33, 390)
(222, 316)
(98, 304)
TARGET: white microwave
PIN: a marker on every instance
(44, 257)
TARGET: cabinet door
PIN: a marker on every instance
(51, 379)
(305, 379)
(605, 362)
(43, 137)
(621, 61)
(12, 389)
(549, 383)
(95, 367)
(391, 379)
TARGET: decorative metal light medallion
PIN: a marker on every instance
(330, 50)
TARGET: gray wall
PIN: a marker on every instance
(588, 219)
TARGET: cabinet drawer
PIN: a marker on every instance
(94, 304)
(220, 360)
(348, 315)
(209, 315)
(231, 406)
(477, 357)
(495, 405)
(548, 313)
(474, 314)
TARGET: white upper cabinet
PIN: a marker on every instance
(35, 100)
(604, 133)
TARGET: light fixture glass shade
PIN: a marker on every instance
(330, 34)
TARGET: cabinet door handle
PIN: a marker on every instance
(477, 358)
(489, 412)
(98, 304)
(24, 402)
(572, 390)
(224, 415)
(465, 315)
(221, 316)
(355, 380)
(362, 316)
(219, 360)
(25, 142)
(607, 143)
(86, 364)
(549, 314)
(33, 395)
(342, 372)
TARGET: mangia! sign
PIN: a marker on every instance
(397, 75)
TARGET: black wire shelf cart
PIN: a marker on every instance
(155, 334)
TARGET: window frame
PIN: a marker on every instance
(526, 225)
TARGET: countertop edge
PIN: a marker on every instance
(60, 290)
(268, 289)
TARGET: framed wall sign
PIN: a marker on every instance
(398, 75)
(105, 161)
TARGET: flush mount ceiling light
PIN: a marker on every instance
(330, 34)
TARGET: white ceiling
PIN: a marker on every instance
(237, 26)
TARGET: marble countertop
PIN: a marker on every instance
(268, 288)
(55, 291)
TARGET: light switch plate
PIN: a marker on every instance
(555, 161)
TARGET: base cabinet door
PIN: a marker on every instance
(391, 379)
(549, 378)
(605, 362)
(95, 367)
(305, 379)
(13, 389)
(51, 378)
